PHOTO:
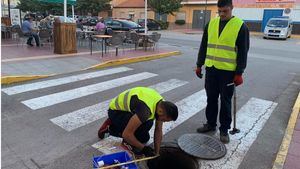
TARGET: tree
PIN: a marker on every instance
(165, 6)
(40, 7)
(92, 6)
(84, 6)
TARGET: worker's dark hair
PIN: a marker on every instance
(223, 3)
(171, 109)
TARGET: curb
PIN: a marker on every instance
(132, 60)
(5, 80)
(15, 79)
(284, 147)
(293, 36)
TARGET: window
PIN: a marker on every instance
(180, 16)
(131, 15)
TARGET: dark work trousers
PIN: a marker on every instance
(120, 120)
(216, 85)
(32, 35)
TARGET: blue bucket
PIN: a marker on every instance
(110, 159)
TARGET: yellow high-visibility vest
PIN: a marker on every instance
(221, 50)
(149, 96)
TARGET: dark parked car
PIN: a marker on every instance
(151, 24)
(123, 25)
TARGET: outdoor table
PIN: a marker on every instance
(145, 39)
(103, 37)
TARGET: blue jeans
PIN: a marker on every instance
(32, 35)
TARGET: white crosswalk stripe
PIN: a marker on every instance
(82, 117)
(52, 99)
(60, 81)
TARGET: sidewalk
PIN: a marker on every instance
(288, 156)
(21, 63)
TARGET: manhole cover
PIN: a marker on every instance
(202, 146)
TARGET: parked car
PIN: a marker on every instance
(279, 28)
(151, 24)
(123, 25)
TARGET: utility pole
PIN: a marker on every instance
(8, 7)
(204, 20)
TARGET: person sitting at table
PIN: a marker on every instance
(29, 31)
(100, 26)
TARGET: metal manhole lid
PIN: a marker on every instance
(202, 146)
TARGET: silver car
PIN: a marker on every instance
(279, 28)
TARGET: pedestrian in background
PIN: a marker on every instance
(100, 26)
(28, 30)
(223, 51)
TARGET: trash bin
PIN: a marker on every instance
(64, 35)
(110, 159)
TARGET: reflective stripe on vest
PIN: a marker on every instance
(149, 96)
(221, 50)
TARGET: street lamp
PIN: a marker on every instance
(8, 3)
(146, 16)
(204, 20)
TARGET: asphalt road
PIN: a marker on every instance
(36, 134)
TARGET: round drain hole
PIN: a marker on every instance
(173, 157)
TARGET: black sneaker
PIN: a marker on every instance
(29, 44)
(224, 137)
(103, 131)
(206, 128)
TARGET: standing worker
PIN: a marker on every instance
(223, 51)
(131, 115)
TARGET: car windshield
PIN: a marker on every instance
(278, 23)
(130, 24)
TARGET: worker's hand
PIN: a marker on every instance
(238, 80)
(198, 72)
(148, 151)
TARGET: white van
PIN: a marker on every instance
(279, 28)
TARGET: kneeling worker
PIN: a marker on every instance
(131, 115)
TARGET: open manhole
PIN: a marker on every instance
(202, 146)
(171, 156)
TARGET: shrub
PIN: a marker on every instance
(180, 22)
(163, 24)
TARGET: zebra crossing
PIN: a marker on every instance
(252, 115)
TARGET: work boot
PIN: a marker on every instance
(206, 128)
(224, 137)
(104, 129)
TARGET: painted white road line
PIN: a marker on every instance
(250, 120)
(52, 99)
(82, 117)
(60, 81)
(187, 107)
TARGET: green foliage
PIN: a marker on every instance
(163, 24)
(82, 6)
(165, 6)
(180, 22)
(92, 6)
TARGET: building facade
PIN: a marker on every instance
(196, 14)
(131, 9)
(256, 13)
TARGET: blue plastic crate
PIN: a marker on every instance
(109, 159)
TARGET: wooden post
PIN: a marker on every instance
(64, 38)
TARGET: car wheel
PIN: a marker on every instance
(265, 37)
